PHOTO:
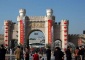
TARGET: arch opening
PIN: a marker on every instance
(36, 39)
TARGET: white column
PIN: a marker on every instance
(64, 33)
(18, 19)
(46, 31)
(6, 27)
(49, 13)
(21, 16)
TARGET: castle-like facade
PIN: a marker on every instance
(18, 33)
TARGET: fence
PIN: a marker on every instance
(12, 57)
(9, 57)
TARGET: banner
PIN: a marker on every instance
(21, 32)
(49, 31)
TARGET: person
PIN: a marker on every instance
(42, 58)
(17, 53)
(48, 53)
(2, 53)
(22, 54)
(10, 54)
(84, 52)
(81, 53)
(58, 54)
(36, 56)
(76, 53)
(27, 53)
(68, 53)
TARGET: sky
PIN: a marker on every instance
(72, 10)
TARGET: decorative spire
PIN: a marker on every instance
(49, 12)
(22, 12)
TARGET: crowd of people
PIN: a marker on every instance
(78, 53)
(23, 53)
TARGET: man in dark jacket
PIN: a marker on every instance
(68, 53)
(48, 53)
(2, 52)
(81, 53)
(58, 54)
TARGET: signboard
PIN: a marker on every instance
(38, 25)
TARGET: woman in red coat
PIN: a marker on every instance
(36, 56)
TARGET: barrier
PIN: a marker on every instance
(9, 57)
(12, 57)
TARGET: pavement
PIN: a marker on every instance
(12, 57)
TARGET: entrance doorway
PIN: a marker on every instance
(36, 39)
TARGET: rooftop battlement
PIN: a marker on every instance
(7, 21)
(73, 35)
(57, 23)
(64, 20)
(76, 35)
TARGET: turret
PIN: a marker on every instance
(49, 26)
(22, 12)
(7, 37)
(21, 25)
(64, 33)
(49, 12)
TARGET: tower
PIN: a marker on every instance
(64, 33)
(6, 40)
(48, 26)
(21, 26)
(7, 33)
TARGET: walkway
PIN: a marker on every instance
(12, 57)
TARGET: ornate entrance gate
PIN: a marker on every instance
(29, 23)
(51, 29)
